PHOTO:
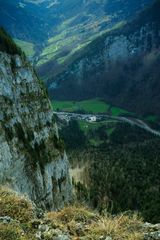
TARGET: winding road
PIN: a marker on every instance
(88, 117)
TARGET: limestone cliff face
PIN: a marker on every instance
(32, 157)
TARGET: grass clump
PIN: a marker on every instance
(72, 213)
(15, 206)
(11, 231)
(86, 224)
(119, 227)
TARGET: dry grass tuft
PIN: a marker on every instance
(73, 213)
(15, 206)
(81, 222)
(119, 227)
(11, 231)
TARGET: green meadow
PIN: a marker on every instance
(27, 47)
(94, 106)
(115, 111)
(88, 106)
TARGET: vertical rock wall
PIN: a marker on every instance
(32, 157)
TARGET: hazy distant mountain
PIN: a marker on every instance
(24, 20)
(59, 28)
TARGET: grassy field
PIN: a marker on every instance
(88, 106)
(27, 47)
(94, 106)
(115, 111)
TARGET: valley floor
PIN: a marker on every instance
(97, 117)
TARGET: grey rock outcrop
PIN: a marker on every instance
(152, 231)
(32, 157)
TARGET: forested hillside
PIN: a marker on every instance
(121, 66)
(115, 167)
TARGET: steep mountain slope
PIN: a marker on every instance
(81, 25)
(121, 66)
(59, 28)
(32, 157)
